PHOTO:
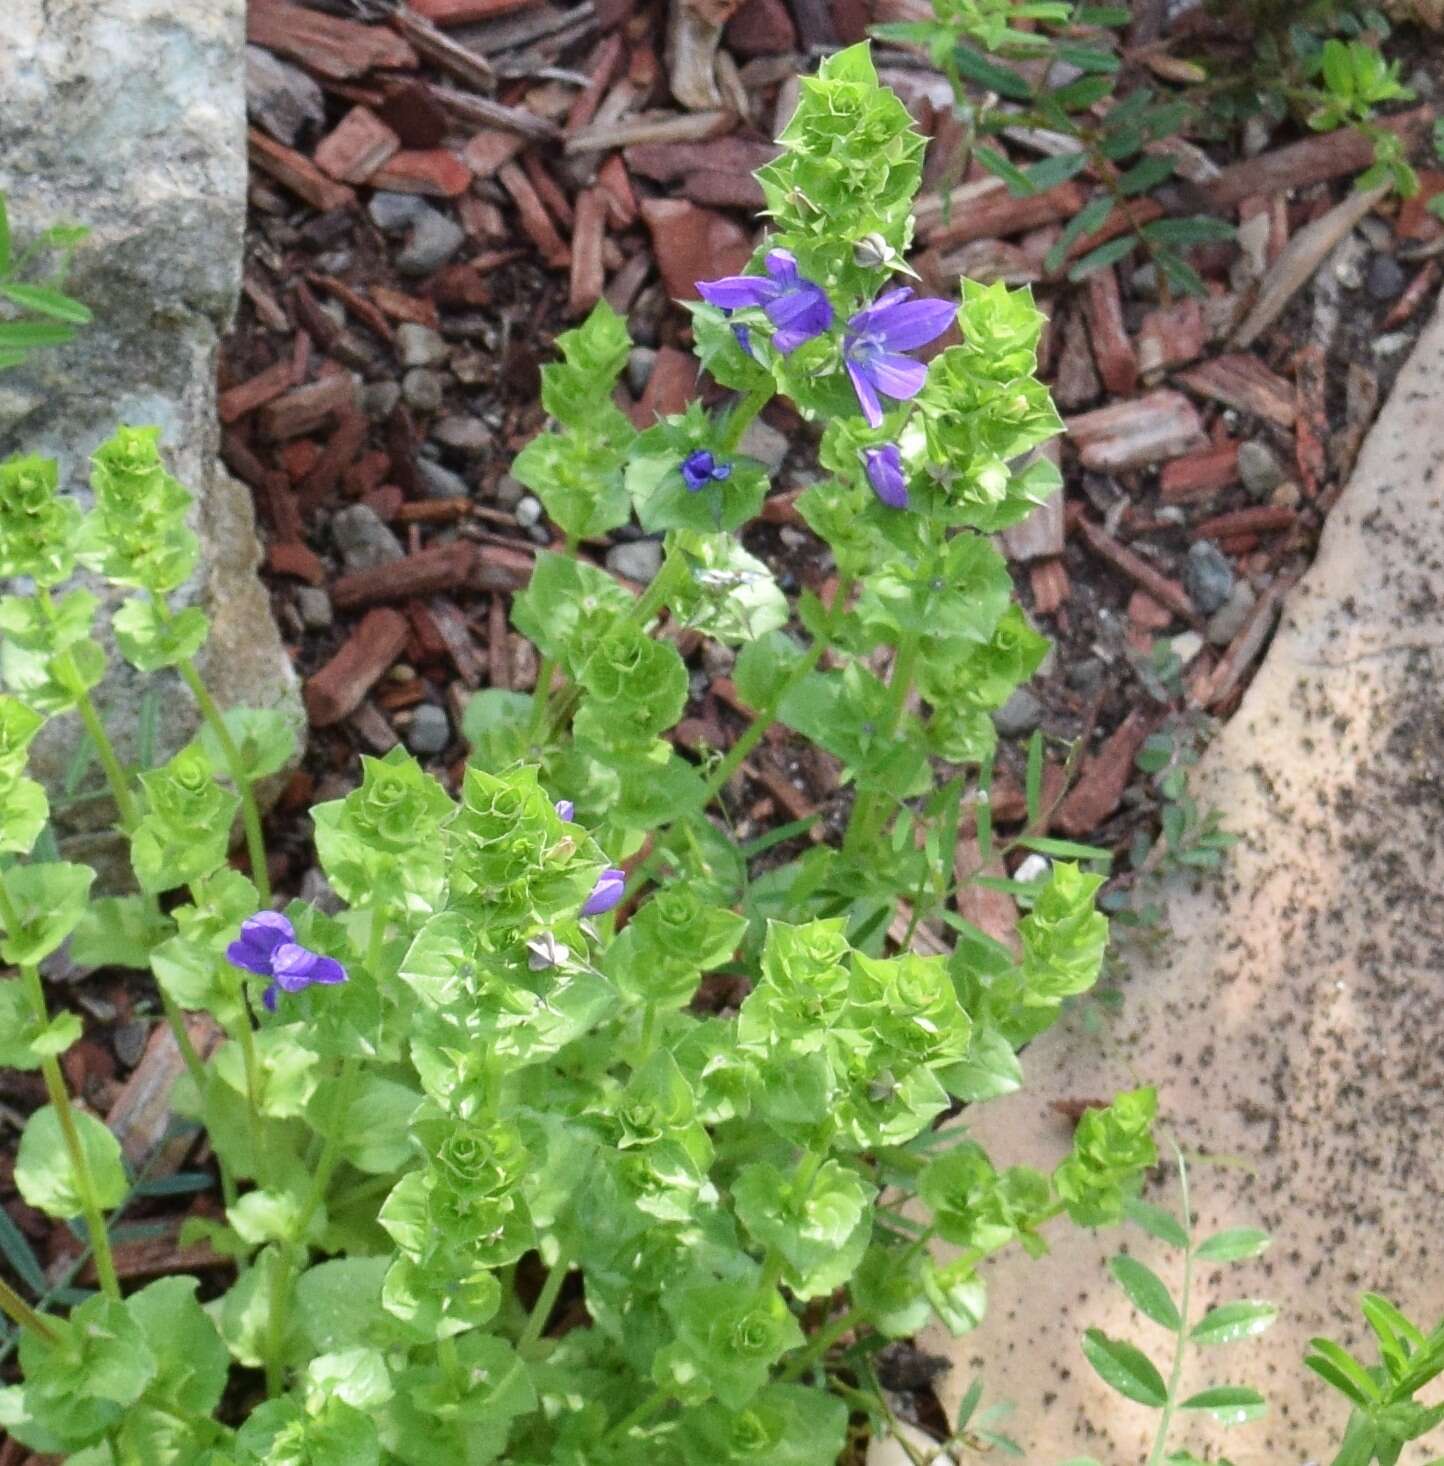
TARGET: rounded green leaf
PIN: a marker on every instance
(1125, 1368)
(1230, 1321)
(1156, 1222)
(44, 1173)
(1233, 1245)
(1228, 1404)
(1146, 1291)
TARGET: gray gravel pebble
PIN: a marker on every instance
(379, 399)
(1021, 714)
(419, 345)
(363, 539)
(440, 483)
(430, 729)
(315, 607)
(638, 560)
(422, 389)
(1207, 576)
(1227, 621)
(640, 362)
(393, 212)
(1386, 279)
(529, 512)
(462, 434)
(1259, 469)
(434, 239)
(765, 444)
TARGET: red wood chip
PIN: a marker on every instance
(341, 685)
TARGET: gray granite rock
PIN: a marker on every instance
(1020, 715)
(419, 345)
(129, 118)
(281, 98)
(638, 560)
(434, 239)
(1207, 576)
(422, 389)
(462, 434)
(1259, 470)
(430, 729)
(363, 538)
(438, 482)
(394, 213)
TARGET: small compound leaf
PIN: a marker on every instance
(1230, 1321)
(1234, 1245)
(1228, 1404)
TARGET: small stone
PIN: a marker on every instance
(392, 213)
(440, 483)
(765, 444)
(1207, 576)
(430, 729)
(379, 399)
(1259, 470)
(315, 607)
(281, 97)
(1033, 868)
(317, 891)
(1021, 714)
(640, 560)
(1385, 280)
(422, 389)
(640, 362)
(363, 539)
(418, 345)
(1227, 621)
(1086, 676)
(462, 434)
(434, 240)
(1187, 646)
(1391, 344)
(792, 537)
(529, 511)
(128, 1041)
(509, 491)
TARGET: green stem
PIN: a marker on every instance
(105, 751)
(250, 811)
(542, 692)
(196, 1069)
(283, 1279)
(1175, 1375)
(753, 734)
(640, 1416)
(245, 1036)
(546, 1301)
(60, 1099)
(821, 1342)
(20, 1312)
(649, 1034)
(861, 824)
(742, 415)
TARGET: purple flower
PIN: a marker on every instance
(744, 337)
(877, 337)
(700, 468)
(268, 947)
(797, 307)
(607, 891)
(885, 474)
(566, 810)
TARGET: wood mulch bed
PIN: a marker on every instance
(436, 194)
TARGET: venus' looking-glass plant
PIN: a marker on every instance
(579, 1135)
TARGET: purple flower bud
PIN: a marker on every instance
(875, 340)
(566, 810)
(885, 474)
(267, 946)
(699, 468)
(607, 892)
(796, 306)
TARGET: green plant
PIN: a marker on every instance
(1112, 140)
(40, 314)
(1385, 1415)
(1127, 1369)
(503, 1178)
(1064, 68)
